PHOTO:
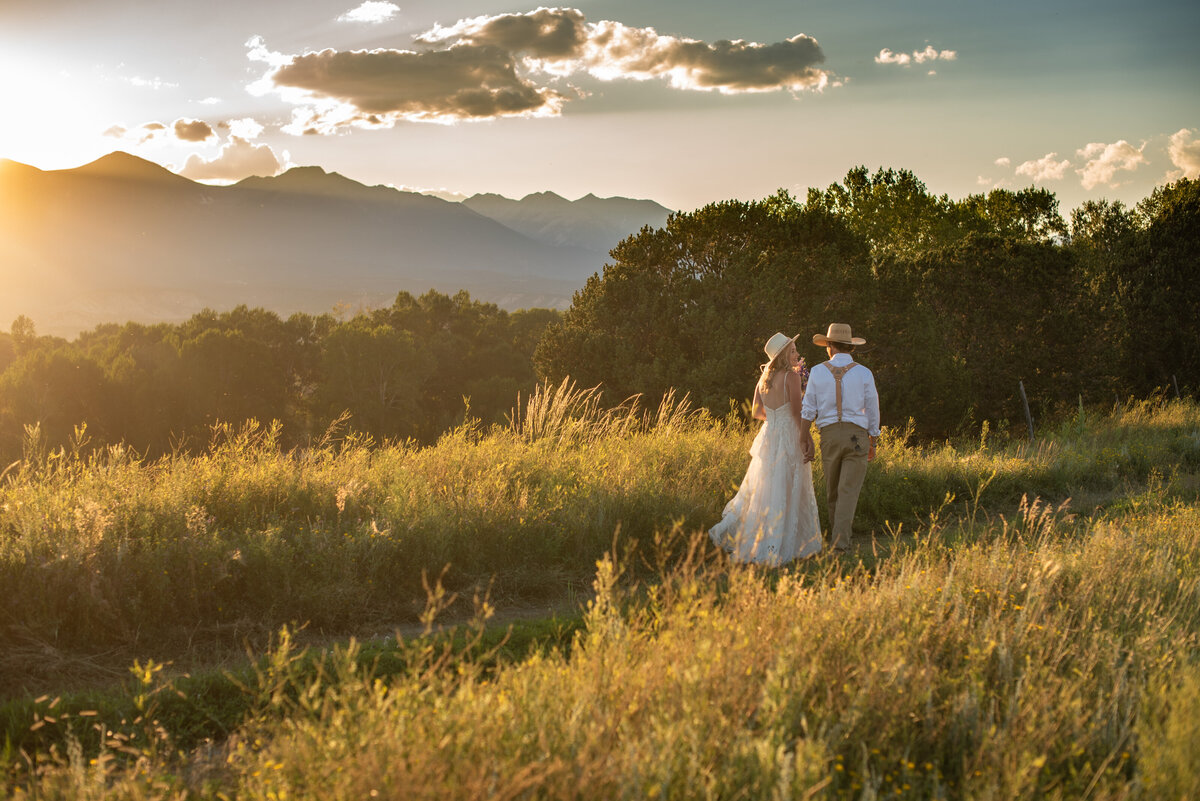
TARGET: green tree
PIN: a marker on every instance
(482, 353)
(1103, 240)
(892, 210)
(376, 373)
(56, 388)
(24, 334)
(1030, 214)
(142, 366)
(967, 322)
(689, 305)
(231, 377)
(8, 351)
(1164, 288)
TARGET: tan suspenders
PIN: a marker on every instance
(838, 372)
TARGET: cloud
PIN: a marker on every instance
(151, 83)
(1003, 161)
(1184, 151)
(1047, 168)
(238, 159)
(140, 135)
(376, 88)
(886, 56)
(560, 41)
(245, 128)
(192, 130)
(1103, 162)
(449, 195)
(501, 66)
(372, 11)
(730, 67)
(185, 130)
(258, 51)
(547, 33)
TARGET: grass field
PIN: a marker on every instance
(1017, 621)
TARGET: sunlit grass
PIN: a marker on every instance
(1030, 663)
(995, 641)
(111, 551)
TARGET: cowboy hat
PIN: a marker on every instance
(776, 344)
(839, 333)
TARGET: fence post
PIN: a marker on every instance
(1028, 416)
(1175, 381)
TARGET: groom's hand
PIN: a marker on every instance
(871, 451)
(807, 448)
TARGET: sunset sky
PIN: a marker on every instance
(681, 101)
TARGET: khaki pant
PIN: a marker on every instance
(844, 449)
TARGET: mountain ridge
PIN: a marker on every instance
(592, 223)
(121, 236)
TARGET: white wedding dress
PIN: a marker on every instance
(773, 519)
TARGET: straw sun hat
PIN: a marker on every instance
(839, 333)
(776, 344)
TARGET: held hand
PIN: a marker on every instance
(871, 453)
(808, 449)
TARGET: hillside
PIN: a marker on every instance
(124, 239)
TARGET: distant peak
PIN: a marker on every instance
(306, 179)
(120, 164)
(310, 171)
(15, 166)
(551, 196)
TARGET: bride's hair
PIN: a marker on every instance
(777, 365)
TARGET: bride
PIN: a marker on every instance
(773, 517)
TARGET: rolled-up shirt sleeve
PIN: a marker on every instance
(808, 406)
(871, 402)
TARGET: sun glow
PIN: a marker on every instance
(53, 120)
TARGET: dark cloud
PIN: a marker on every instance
(728, 66)
(239, 158)
(548, 33)
(192, 130)
(745, 66)
(462, 82)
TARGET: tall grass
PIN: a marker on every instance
(110, 551)
(991, 640)
(1038, 661)
(104, 552)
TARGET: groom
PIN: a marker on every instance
(842, 401)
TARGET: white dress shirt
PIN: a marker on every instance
(860, 401)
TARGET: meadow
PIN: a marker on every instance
(1017, 620)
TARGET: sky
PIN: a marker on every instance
(685, 102)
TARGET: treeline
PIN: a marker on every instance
(401, 372)
(961, 301)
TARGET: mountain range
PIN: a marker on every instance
(124, 239)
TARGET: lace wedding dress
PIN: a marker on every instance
(773, 517)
